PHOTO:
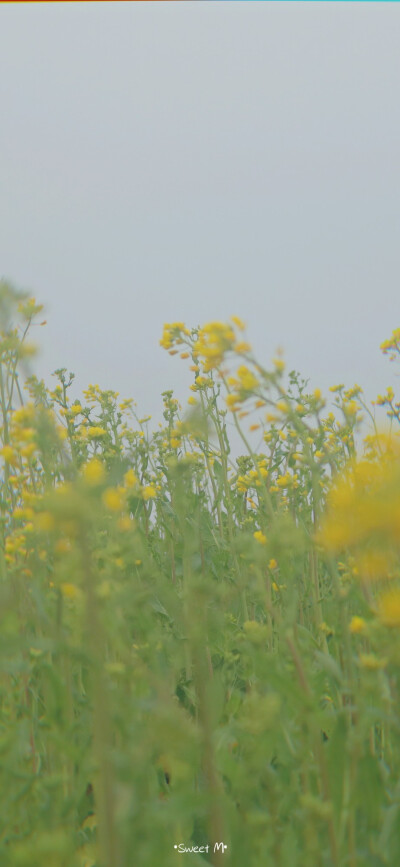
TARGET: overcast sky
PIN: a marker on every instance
(163, 161)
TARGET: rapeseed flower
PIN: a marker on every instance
(96, 431)
(363, 511)
(114, 499)
(389, 608)
(9, 455)
(247, 380)
(371, 662)
(213, 341)
(172, 334)
(45, 521)
(238, 322)
(232, 401)
(149, 492)
(69, 590)
(93, 472)
(130, 479)
(392, 345)
(357, 625)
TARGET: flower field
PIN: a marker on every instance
(196, 647)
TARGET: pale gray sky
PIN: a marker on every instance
(163, 161)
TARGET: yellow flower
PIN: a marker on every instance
(29, 308)
(114, 499)
(172, 334)
(238, 322)
(364, 511)
(27, 349)
(371, 662)
(45, 521)
(283, 481)
(247, 380)
(70, 591)
(96, 431)
(260, 537)
(126, 523)
(272, 564)
(130, 479)
(126, 404)
(373, 565)
(148, 492)
(326, 629)
(23, 513)
(357, 625)
(213, 341)
(350, 407)
(392, 345)
(203, 381)
(9, 455)
(389, 608)
(232, 401)
(251, 502)
(26, 434)
(28, 450)
(62, 546)
(94, 472)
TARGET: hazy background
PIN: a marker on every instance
(163, 161)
